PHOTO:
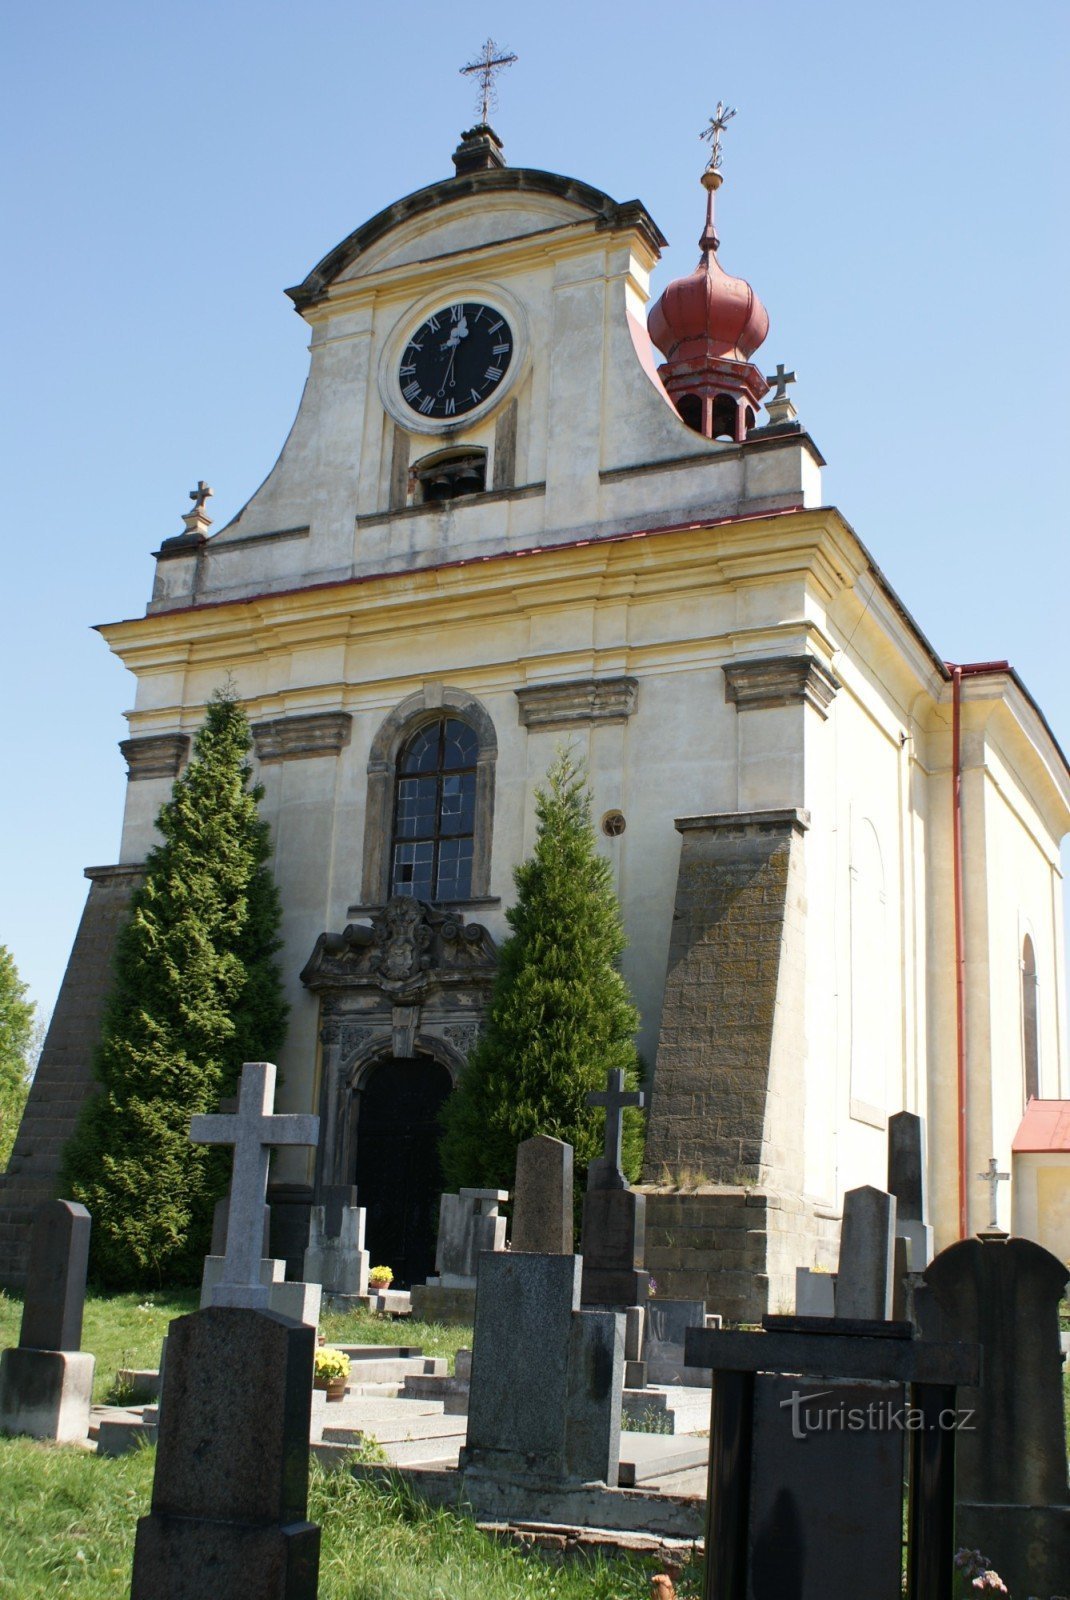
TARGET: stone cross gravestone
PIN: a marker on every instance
(253, 1130)
(865, 1277)
(542, 1197)
(908, 1182)
(613, 1235)
(230, 1488)
(1011, 1488)
(545, 1398)
(46, 1383)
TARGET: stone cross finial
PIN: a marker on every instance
(994, 1178)
(614, 1097)
(486, 65)
(713, 131)
(200, 495)
(781, 378)
(252, 1130)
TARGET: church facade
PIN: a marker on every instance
(518, 506)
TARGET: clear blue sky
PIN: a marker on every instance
(895, 191)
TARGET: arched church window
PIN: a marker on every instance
(434, 812)
(1030, 1040)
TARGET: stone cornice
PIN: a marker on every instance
(784, 820)
(155, 755)
(768, 681)
(559, 705)
(315, 733)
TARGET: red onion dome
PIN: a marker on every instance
(708, 313)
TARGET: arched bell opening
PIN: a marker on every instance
(448, 474)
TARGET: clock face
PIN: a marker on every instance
(455, 360)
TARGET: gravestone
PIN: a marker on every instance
(542, 1197)
(1012, 1497)
(908, 1182)
(665, 1328)
(545, 1397)
(807, 1433)
(613, 1237)
(46, 1383)
(253, 1130)
(242, 1276)
(865, 1278)
(335, 1256)
(230, 1490)
(468, 1224)
(815, 1293)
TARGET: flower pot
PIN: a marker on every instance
(336, 1389)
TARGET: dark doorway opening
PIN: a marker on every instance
(398, 1177)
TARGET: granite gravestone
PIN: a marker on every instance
(865, 1278)
(665, 1328)
(907, 1181)
(542, 1197)
(468, 1224)
(545, 1398)
(230, 1490)
(1012, 1497)
(613, 1238)
(335, 1256)
(46, 1383)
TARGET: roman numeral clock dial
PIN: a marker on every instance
(455, 360)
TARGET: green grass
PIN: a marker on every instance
(126, 1330)
(67, 1521)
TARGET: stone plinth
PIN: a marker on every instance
(230, 1492)
(547, 1378)
(46, 1393)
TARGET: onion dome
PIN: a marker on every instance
(709, 312)
(708, 325)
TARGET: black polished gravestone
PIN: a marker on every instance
(46, 1383)
(1013, 1499)
(230, 1491)
(613, 1234)
(807, 1429)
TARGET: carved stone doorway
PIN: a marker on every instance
(398, 1176)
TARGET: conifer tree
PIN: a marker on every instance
(16, 1039)
(560, 1015)
(196, 992)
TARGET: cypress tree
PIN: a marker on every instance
(196, 992)
(560, 1014)
(16, 1041)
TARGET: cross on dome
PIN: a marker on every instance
(713, 131)
(487, 65)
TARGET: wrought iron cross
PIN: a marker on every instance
(491, 61)
(200, 495)
(713, 131)
(994, 1177)
(614, 1097)
(781, 379)
(252, 1131)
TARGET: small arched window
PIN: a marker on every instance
(434, 812)
(1030, 1042)
(689, 407)
(725, 415)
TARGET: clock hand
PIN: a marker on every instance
(448, 375)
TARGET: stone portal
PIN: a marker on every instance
(398, 1176)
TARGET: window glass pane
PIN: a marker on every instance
(454, 869)
(458, 802)
(412, 870)
(421, 752)
(416, 808)
(461, 745)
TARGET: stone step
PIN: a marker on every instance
(434, 1388)
(396, 1370)
(379, 1352)
(649, 1457)
(673, 1409)
(118, 1430)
